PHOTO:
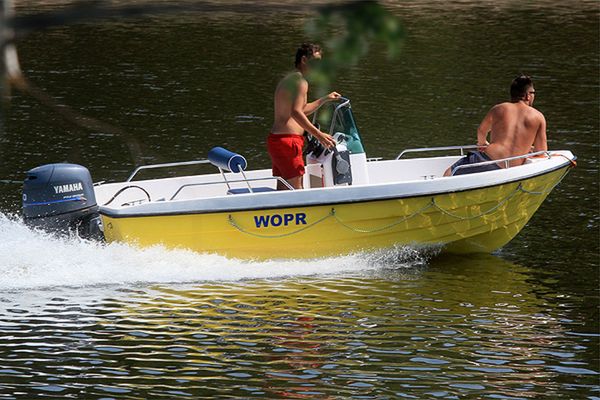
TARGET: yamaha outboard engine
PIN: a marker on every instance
(60, 198)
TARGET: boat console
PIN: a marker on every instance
(346, 164)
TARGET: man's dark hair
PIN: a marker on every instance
(307, 50)
(519, 87)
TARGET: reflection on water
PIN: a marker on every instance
(387, 332)
(82, 320)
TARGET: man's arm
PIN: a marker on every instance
(312, 106)
(540, 142)
(484, 128)
(300, 117)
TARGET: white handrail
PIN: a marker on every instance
(344, 102)
(506, 161)
(173, 164)
(424, 149)
(247, 180)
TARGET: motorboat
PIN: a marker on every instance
(350, 203)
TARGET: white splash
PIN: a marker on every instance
(33, 259)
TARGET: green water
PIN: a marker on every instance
(78, 320)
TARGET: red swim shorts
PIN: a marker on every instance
(286, 154)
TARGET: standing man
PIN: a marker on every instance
(514, 127)
(286, 140)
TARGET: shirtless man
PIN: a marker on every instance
(291, 110)
(515, 127)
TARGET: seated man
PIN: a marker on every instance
(291, 109)
(514, 128)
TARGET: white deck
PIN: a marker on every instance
(386, 179)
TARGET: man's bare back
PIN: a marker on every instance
(514, 128)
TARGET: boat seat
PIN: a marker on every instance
(261, 189)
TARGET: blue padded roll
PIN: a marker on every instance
(227, 160)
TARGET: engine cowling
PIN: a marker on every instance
(60, 198)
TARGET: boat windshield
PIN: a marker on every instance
(338, 116)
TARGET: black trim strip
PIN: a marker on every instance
(94, 209)
(109, 214)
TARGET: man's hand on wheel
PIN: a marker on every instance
(326, 140)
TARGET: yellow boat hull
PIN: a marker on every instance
(478, 220)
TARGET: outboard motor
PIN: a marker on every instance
(60, 198)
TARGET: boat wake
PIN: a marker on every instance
(34, 259)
